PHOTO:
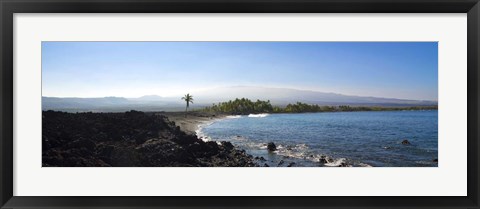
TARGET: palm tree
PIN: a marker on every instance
(188, 99)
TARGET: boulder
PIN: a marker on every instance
(323, 159)
(271, 147)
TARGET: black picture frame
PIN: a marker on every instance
(9, 7)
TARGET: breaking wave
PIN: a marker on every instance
(340, 162)
(299, 153)
(202, 135)
(261, 115)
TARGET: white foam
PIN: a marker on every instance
(364, 165)
(202, 135)
(254, 145)
(337, 162)
(299, 151)
(233, 116)
(199, 131)
(261, 115)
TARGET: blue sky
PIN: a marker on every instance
(405, 70)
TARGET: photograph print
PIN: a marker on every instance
(240, 104)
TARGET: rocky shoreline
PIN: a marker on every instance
(130, 139)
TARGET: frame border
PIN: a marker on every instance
(9, 7)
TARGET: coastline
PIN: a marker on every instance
(165, 139)
(194, 120)
(285, 155)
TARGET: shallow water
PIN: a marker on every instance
(351, 138)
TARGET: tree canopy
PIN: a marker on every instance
(245, 106)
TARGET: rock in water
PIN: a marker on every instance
(271, 147)
(405, 142)
(323, 159)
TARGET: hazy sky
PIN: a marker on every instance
(405, 70)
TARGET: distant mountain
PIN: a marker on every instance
(74, 102)
(277, 96)
(110, 104)
(283, 96)
(149, 98)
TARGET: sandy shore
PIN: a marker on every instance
(190, 123)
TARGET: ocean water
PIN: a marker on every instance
(333, 138)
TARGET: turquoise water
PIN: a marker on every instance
(334, 138)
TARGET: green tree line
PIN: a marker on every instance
(245, 106)
(241, 106)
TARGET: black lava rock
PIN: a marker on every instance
(227, 145)
(132, 138)
(271, 147)
(323, 159)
